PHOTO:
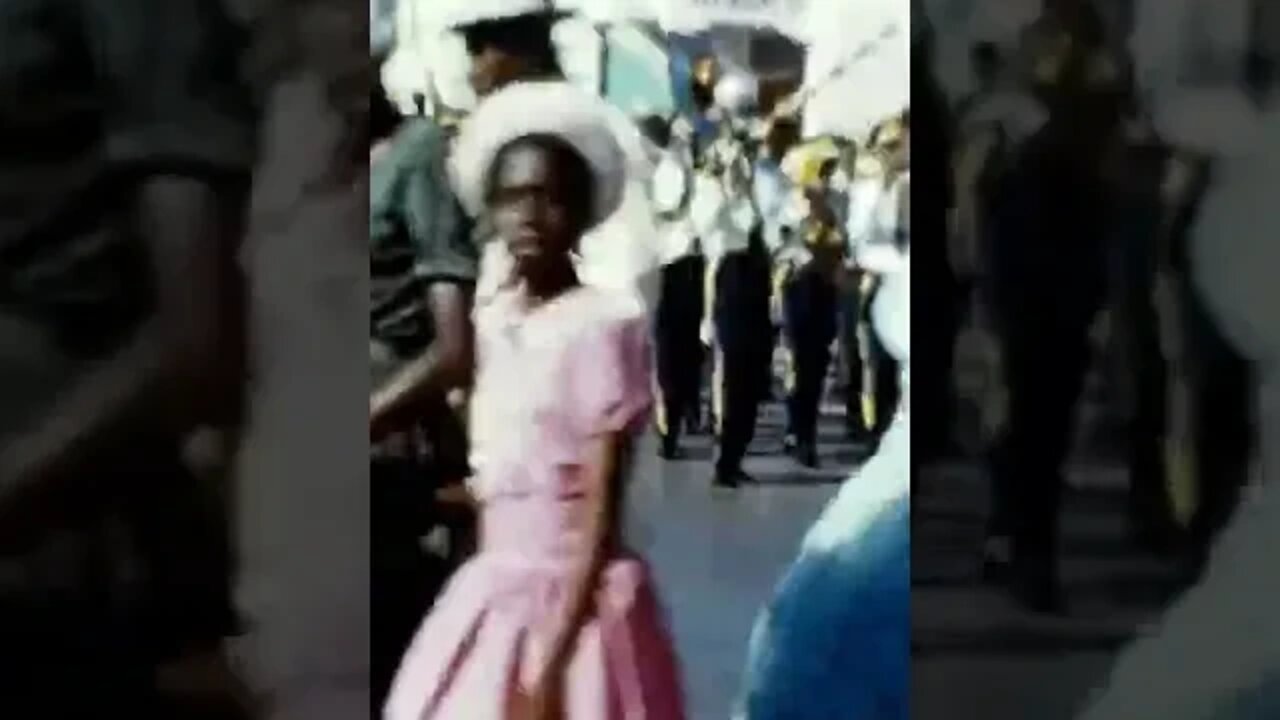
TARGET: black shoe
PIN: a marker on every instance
(807, 455)
(1156, 539)
(1155, 532)
(1039, 595)
(669, 448)
(1034, 584)
(997, 558)
(694, 424)
(730, 479)
(789, 444)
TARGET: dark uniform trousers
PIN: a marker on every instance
(679, 348)
(872, 391)
(810, 309)
(1219, 424)
(933, 375)
(1212, 425)
(1049, 279)
(1186, 391)
(744, 340)
(851, 370)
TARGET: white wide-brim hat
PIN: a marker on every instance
(554, 108)
(460, 14)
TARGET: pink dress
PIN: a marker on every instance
(549, 381)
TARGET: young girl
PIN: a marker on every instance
(552, 618)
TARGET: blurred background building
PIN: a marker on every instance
(639, 54)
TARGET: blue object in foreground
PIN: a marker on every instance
(835, 642)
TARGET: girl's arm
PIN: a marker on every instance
(610, 398)
(605, 459)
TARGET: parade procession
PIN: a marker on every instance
(673, 228)
(587, 393)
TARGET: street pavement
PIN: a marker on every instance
(718, 554)
(974, 649)
(976, 654)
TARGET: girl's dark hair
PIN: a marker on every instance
(526, 36)
(577, 173)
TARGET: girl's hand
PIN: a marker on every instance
(545, 703)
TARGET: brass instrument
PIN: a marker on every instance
(706, 72)
(884, 147)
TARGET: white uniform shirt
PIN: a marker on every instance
(877, 224)
(723, 221)
(772, 189)
(670, 189)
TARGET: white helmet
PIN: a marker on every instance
(737, 94)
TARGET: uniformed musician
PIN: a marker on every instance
(1049, 277)
(877, 228)
(807, 280)
(680, 302)
(738, 327)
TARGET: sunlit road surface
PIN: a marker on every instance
(718, 554)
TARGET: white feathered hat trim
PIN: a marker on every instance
(554, 108)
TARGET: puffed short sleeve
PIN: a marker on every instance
(169, 77)
(611, 380)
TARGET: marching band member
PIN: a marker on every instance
(807, 281)
(708, 116)
(680, 302)
(770, 183)
(1049, 278)
(876, 227)
(725, 217)
(1204, 103)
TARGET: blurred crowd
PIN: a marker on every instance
(1106, 203)
(1070, 206)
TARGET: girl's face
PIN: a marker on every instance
(536, 208)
